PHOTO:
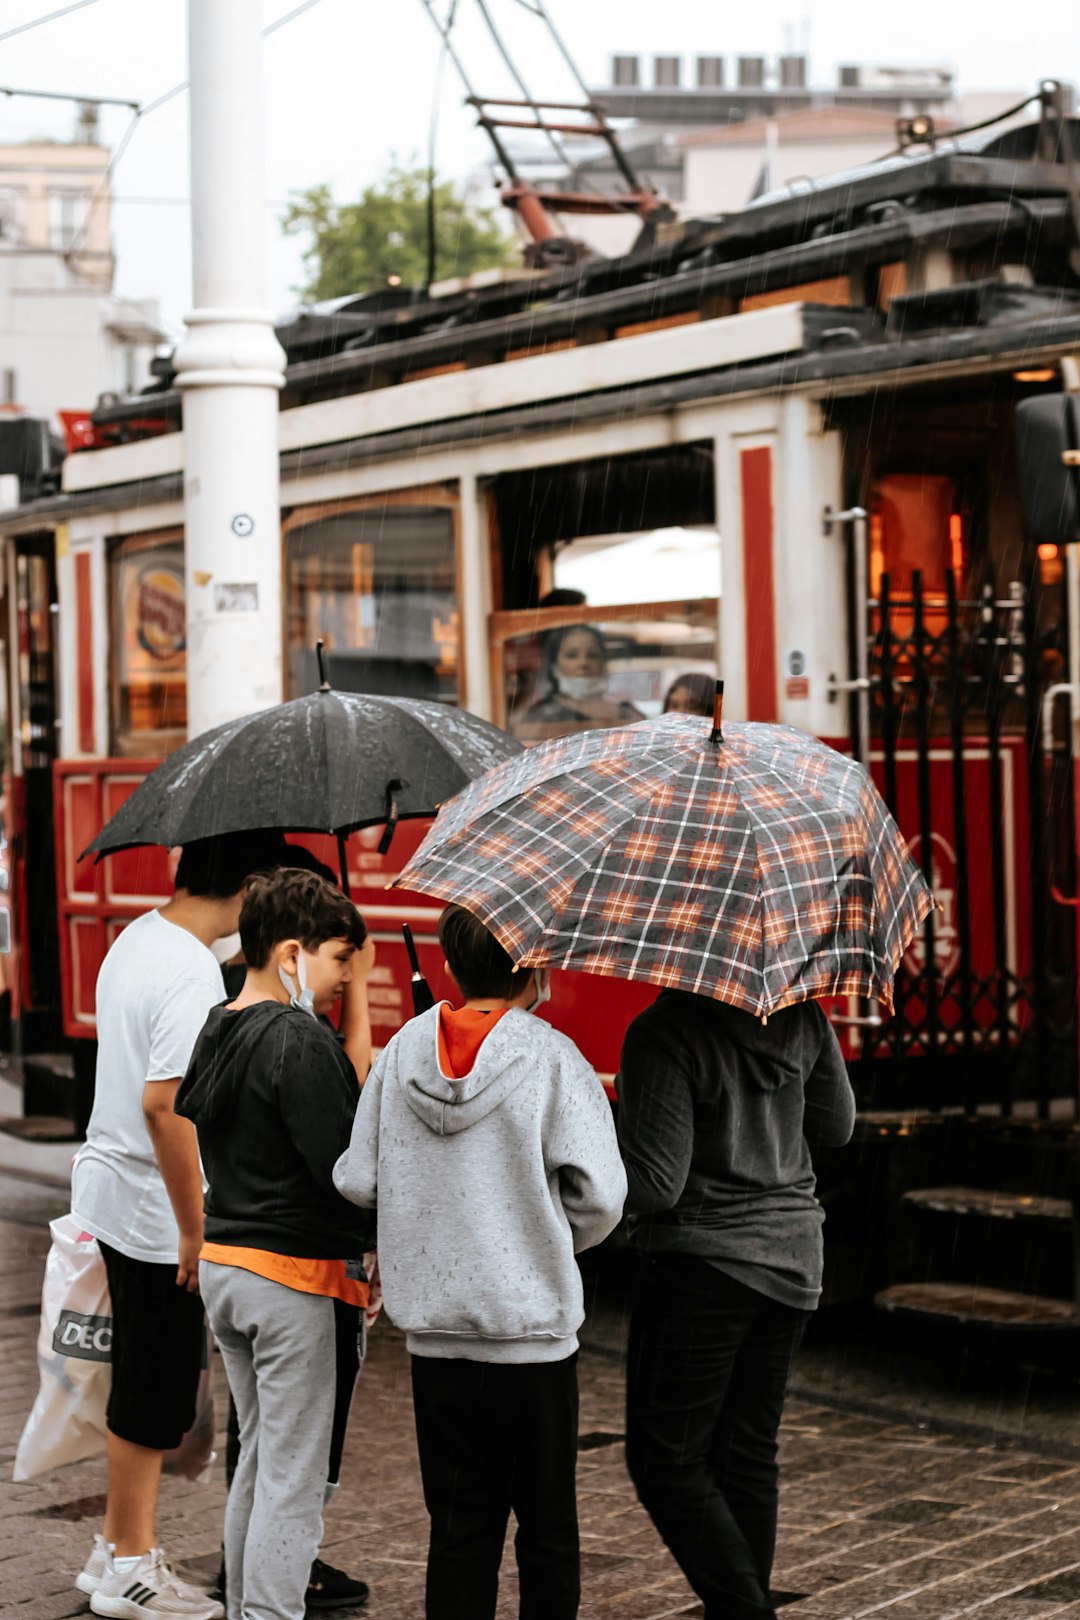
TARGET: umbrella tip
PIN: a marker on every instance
(324, 684)
(716, 736)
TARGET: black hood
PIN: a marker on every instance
(210, 1090)
(273, 1098)
(772, 1052)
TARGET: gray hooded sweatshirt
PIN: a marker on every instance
(486, 1187)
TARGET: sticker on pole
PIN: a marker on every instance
(241, 597)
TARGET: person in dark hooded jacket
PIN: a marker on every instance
(273, 1097)
(719, 1113)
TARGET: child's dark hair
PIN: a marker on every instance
(218, 868)
(476, 959)
(289, 904)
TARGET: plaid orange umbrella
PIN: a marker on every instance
(761, 867)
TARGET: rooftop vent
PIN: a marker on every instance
(667, 71)
(625, 72)
(751, 72)
(793, 72)
(710, 72)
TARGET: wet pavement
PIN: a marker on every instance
(879, 1516)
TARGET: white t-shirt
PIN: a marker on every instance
(155, 988)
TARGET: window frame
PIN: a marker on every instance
(163, 740)
(507, 624)
(446, 496)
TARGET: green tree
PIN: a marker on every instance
(357, 247)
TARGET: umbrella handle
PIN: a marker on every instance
(716, 736)
(410, 946)
(324, 684)
(393, 787)
(343, 863)
(422, 998)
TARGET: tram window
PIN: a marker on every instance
(377, 586)
(915, 524)
(607, 669)
(149, 681)
(609, 582)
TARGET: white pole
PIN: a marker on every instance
(475, 597)
(230, 366)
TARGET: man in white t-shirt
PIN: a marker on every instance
(137, 1187)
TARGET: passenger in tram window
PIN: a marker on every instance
(692, 693)
(573, 687)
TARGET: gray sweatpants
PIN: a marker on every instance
(279, 1352)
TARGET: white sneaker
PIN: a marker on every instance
(151, 1588)
(94, 1570)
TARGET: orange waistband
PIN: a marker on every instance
(326, 1277)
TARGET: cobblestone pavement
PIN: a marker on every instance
(877, 1518)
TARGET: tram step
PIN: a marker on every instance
(988, 1307)
(990, 1202)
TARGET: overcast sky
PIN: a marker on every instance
(352, 81)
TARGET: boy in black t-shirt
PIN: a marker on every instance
(272, 1097)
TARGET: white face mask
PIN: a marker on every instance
(299, 994)
(581, 686)
(541, 989)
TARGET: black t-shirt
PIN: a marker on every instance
(273, 1097)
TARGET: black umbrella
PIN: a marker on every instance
(327, 763)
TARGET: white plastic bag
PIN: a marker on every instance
(67, 1422)
(194, 1457)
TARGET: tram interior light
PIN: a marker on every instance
(1043, 374)
(1048, 553)
(956, 542)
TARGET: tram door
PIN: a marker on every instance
(33, 673)
(967, 631)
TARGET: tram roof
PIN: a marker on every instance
(970, 189)
(975, 195)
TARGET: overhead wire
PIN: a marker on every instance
(433, 125)
(143, 110)
(535, 107)
(39, 22)
(949, 135)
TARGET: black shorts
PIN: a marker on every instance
(157, 1349)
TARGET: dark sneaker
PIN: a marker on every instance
(331, 1588)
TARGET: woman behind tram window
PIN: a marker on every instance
(692, 693)
(573, 687)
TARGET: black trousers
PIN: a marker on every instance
(707, 1371)
(495, 1439)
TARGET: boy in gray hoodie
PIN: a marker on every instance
(486, 1142)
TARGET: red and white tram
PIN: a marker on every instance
(780, 446)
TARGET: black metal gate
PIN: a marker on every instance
(986, 1006)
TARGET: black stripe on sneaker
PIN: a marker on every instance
(137, 1592)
